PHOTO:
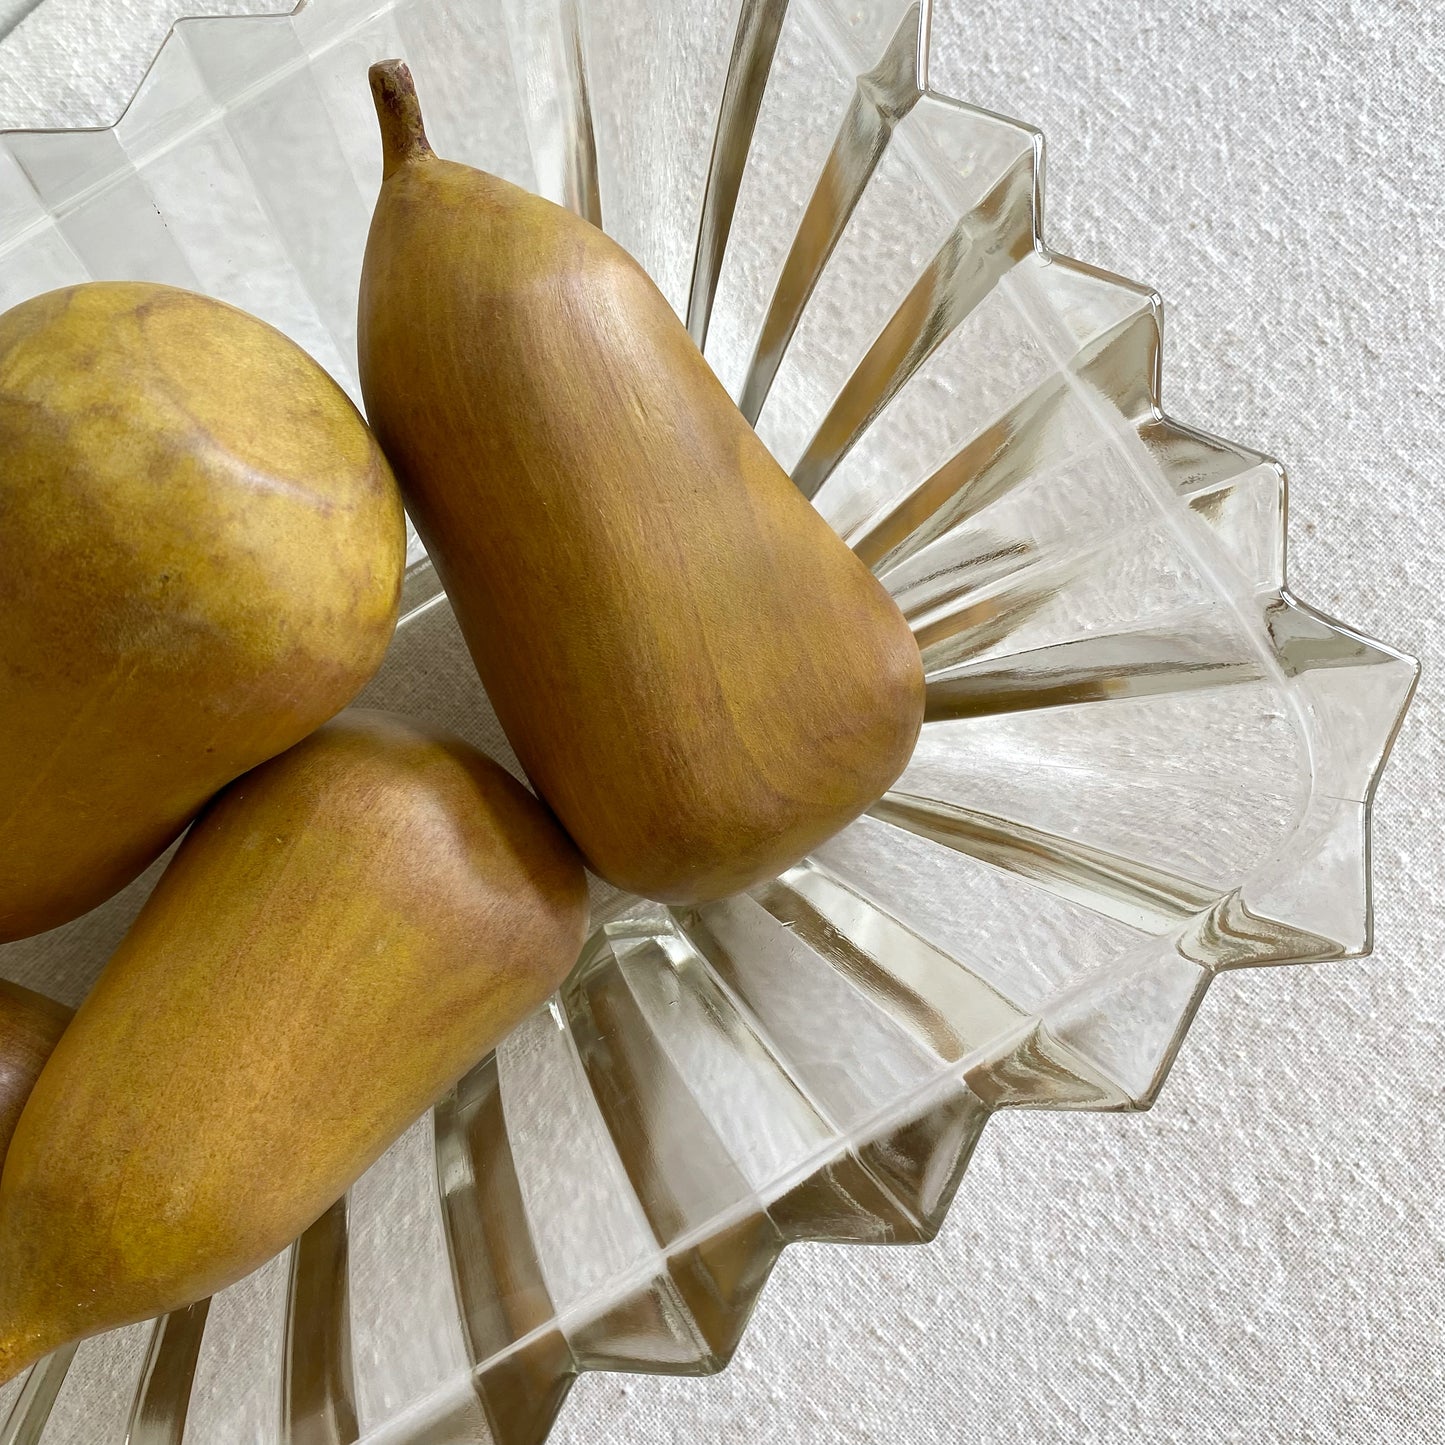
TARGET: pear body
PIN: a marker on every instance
(343, 932)
(697, 674)
(201, 551)
(30, 1027)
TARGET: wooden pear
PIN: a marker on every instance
(30, 1027)
(201, 551)
(343, 932)
(696, 673)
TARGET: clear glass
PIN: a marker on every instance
(1144, 760)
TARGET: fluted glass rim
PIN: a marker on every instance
(1303, 639)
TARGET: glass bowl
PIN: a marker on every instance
(1144, 760)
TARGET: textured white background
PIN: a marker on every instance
(1263, 1257)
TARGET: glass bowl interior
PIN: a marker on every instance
(1143, 759)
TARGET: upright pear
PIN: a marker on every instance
(30, 1027)
(343, 933)
(696, 673)
(201, 551)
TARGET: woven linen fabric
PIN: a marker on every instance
(1262, 1258)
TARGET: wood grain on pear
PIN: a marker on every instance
(30, 1027)
(201, 549)
(342, 933)
(695, 672)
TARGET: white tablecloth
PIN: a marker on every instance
(1263, 1257)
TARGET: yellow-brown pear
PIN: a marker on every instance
(696, 673)
(343, 932)
(201, 549)
(30, 1027)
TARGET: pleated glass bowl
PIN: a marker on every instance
(1144, 760)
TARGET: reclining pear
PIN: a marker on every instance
(343, 933)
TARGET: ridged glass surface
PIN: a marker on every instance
(1143, 761)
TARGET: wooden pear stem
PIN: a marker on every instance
(403, 133)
